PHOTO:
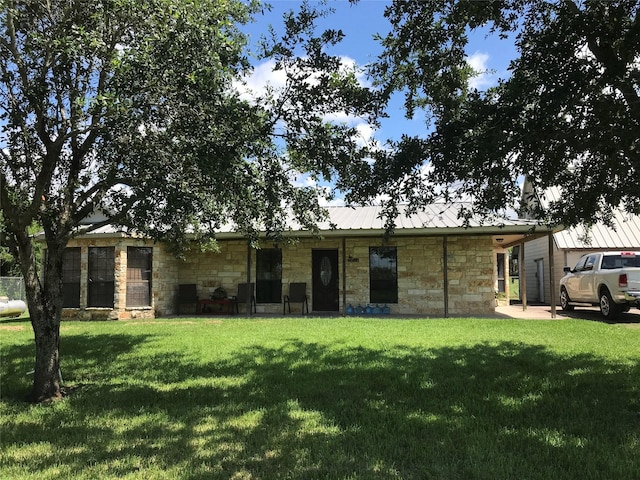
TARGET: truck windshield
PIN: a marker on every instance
(610, 262)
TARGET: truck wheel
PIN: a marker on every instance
(608, 307)
(564, 300)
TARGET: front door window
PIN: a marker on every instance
(325, 271)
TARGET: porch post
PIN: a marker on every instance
(552, 276)
(506, 264)
(119, 281)
(344, 275)
(250, 294)
(523, 278)
(445, 276)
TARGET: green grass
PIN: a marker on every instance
(328, 398)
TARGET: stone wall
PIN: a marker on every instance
(420, 272)
(166, 270)
(164, 273)
(420, 280)
(471, 275)
(421, 291)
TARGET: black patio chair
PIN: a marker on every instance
(297, 294)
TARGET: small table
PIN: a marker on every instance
(216, 306)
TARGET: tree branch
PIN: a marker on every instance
(110, 220)
(24, 76)
(614, 61)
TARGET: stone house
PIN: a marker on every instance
(431, 265)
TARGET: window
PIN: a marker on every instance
(269, 275)
(500, 269)
(626, 259)
(580, 265)
(590, 263)
(71, 278)
(383, 275)
(139, 276)
(101, 274)
(514, 269)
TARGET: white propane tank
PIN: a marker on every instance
(11, 308)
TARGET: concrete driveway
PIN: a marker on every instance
(543, 312)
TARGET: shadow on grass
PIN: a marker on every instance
(593, 314)
(97, 355)
(307, 411)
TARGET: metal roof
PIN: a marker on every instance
(437, 216)
(623, 233)
(436, 219)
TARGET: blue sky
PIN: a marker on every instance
(359, 23)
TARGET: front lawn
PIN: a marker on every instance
(327, 398)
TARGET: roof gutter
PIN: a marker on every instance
(378, 232)
(434, 232)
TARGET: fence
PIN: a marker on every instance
(12, 287)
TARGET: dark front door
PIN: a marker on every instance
(325, 287)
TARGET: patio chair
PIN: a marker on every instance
(187, 295)
(297, 294)
(246, 292)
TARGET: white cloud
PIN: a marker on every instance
(340, 117)
(264, 76)
(336, 202)
(301, 180)
(478, 61)
(366, 131)
(483, 77)
(349, 63)
(264, 80)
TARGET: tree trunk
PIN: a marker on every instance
(45, 309)
(44, 299)
(46, 379)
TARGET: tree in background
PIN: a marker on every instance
(9, 266)
(134, 108)
(567, 116)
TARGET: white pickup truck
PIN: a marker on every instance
(608, 279)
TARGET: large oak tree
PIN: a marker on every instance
(134, 108)
(567, 115)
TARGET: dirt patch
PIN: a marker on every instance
(12, 328)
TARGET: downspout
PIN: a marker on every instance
(552, 276)
(523, 278)
(445, 276)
